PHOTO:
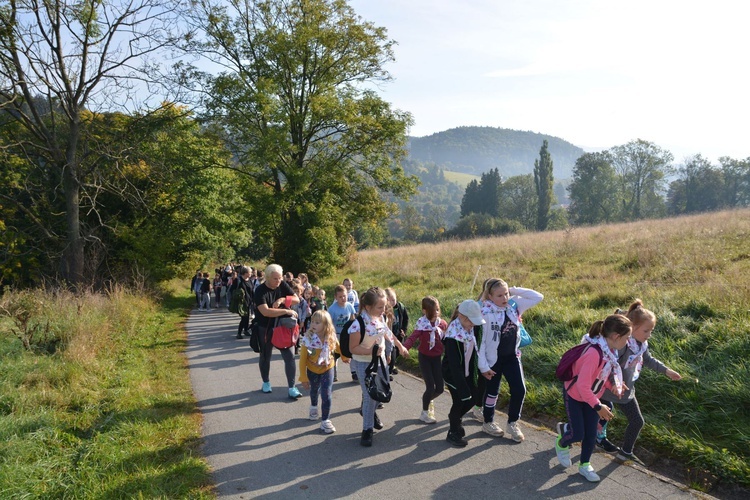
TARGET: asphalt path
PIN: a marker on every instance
(263, 446)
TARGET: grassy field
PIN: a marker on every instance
(100, 406)
(693, 272)
(460, 177)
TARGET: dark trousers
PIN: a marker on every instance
(266, 350)
(244, 324)
(632, 412)
(432, 374)
(459, 407)
(510, 368)
(582, 422)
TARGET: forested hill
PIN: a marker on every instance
(474, 150)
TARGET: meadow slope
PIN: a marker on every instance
(693, 272)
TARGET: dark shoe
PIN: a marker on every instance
(455, 439)
(378, 423)
(239, 335)
(355, 378)
(380, 406)
(394, 371)
(366, 439)
(390, 377)
(461, 431)
(606, 445)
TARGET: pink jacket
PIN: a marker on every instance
(588, 386)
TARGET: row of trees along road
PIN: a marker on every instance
(290, 138)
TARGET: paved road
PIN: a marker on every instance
(262, 445)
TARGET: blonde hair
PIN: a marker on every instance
(489, 285)
(329, 331)
(637, 314)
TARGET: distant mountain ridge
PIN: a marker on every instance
(474, 150)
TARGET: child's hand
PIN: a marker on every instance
(673, 374)
(619, 392)
(345, 360)
(488, 374)
(306, 386)
(605, 413)
(404, 352)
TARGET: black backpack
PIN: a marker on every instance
(344, 340)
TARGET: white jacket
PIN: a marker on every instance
(524, 299)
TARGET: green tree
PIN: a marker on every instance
(699, 187)
(642, 167)
(302, 121)
(518, 200)
(469, 202)
(594, 190)
(60, 60)
(488, 200)
(736, 181)
(543, 183)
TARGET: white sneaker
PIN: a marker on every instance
(426, 418)
(588, 472)
(514, 431)
(492, 429)
(431, 409)
(563, 453)
(313, 415)
(478, 414)
(327, 427)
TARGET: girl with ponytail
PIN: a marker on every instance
(594, 371)
(632, 358)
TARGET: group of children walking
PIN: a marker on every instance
(470, 354)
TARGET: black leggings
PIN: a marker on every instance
(632, 412)
(266, 350)
(244, 324)
(432, 373)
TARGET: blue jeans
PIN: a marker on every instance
(321, 383)
(582, 423)
(369, 405)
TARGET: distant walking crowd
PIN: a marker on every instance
(470, 353)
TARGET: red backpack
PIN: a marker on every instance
(564, 369)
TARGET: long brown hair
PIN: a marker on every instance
(614, 325)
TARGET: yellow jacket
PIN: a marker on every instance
(310, 362)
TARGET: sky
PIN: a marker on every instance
(597, 73)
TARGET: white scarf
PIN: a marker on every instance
(456, 331)
(636, 358)
(424, 324)
(312, 341)
(611, 365)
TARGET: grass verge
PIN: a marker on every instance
(98, 404)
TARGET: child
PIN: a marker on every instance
(400, 324)
(351, 293)
(362, 345)
(632, 358)
(460, 366)
(307, 296)
(591, 376)
(499, 354)
(205, 293)
(341, 311)
(315, 366)
(429, 333)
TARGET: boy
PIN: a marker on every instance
(341, 311)
(351, 294)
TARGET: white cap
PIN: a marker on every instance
(471, 309)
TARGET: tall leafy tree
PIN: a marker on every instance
(699, 187)
(60, 61)
(543, 183)
(736, 181)
(642, 167)
(518, 200)
(594, 191)
(297, 105)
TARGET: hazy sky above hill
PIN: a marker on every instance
(596, 73)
